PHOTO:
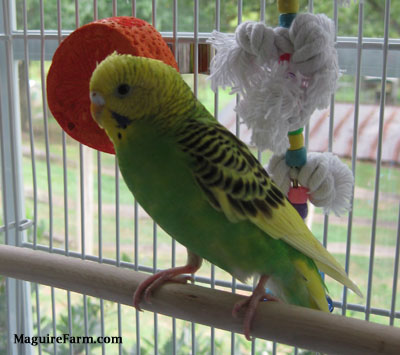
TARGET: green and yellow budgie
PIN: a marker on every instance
(203, 186)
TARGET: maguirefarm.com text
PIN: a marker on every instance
(65, 338)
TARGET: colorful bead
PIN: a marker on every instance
(296, 158)
(297, 131)
(285, 20)
(288, 6)
(298, 198)
(296, 141)
(298, 194)
(285, 57)
(302, 209)
(330, 304)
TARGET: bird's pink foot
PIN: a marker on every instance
(251, 304)
(175, 274)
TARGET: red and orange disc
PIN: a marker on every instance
(75, 60)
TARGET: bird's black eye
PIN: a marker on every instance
(123, 90)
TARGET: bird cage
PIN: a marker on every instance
(69, 202)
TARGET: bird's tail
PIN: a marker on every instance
(314, 284)
(304, 288)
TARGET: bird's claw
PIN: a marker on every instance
(177, 274)
(251, 304)
(182, 279)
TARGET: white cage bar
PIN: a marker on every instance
(358, 56)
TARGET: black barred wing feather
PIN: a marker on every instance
(231, 178)
(235, 183)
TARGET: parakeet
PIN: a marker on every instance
(204, 187)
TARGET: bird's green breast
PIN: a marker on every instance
(158, 174)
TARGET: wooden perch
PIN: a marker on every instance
(283, 323)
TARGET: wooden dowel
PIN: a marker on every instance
(305, 328)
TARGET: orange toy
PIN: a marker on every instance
(77, 57)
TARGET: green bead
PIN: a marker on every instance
(296, 158)
(297, 131)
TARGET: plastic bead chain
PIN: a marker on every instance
(296, 155)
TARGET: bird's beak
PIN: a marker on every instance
(96, 106)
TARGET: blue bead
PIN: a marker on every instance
(296, 158)
(330, 304)
(328, 299)
(285, 20)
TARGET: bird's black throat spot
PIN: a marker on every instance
(122, 121)
(119, 135)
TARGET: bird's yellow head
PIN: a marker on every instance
(125, 89)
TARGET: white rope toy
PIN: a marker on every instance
(329, 181)
(277, 97)
(282, 76)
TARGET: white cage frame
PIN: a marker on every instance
(40, 45)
